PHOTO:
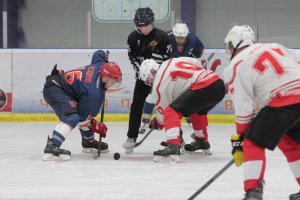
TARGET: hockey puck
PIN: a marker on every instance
(116, 156)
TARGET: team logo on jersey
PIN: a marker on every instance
(153, 44)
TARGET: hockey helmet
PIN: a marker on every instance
(143, 17)
(237, 37)
(180, 30)
(111, 75)
(147, 70)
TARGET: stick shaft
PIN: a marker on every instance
(201, 189)
(142, 140)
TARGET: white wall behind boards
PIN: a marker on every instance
(23, 73)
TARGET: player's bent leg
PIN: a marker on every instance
(291, 151)
(254, 165)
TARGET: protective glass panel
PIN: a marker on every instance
(124, 10)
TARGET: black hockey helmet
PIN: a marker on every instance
(143, 17)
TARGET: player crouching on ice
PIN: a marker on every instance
(181, 87)
(76, 97)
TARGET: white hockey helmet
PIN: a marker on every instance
(237, 37)
(146, 69)
(180, 30)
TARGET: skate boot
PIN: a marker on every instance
(199, 144)
(172, 151)
(129, 145)
(53, 152)
(254, 194)
(88, 147)
(295, 196)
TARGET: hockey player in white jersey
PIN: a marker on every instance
(270, 75)
(181, 87)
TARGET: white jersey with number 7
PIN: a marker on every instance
(267, 73)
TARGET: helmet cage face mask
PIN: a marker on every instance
(237, 37)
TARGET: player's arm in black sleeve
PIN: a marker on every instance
(164, 49)
(135, 60)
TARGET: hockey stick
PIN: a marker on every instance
(143, 128)
(211, 180)
(208, 59)
(142, 140)
(101, 120)
(102, 117)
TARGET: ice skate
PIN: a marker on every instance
(295, 196)
(198, 144)
(88, 147)
(53, 152)
(182, 144)
(254, 194)
(172, 151)
(129, 145)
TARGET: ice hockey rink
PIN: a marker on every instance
(24, 176)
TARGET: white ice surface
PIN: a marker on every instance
(23, 176)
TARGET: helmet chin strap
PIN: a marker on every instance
(235, 49)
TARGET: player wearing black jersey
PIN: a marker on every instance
(145, 42)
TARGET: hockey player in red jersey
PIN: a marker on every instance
(269, 74)
(181, 87)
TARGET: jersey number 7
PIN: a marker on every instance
(267, 60)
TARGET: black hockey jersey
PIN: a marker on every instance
(156, 45)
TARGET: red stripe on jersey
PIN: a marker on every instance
(234, 72)
(158, 85)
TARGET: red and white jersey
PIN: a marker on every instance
(265, 73)
(174, 77)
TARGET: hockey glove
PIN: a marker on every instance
(154, 124)
(98, 127)
(237, 149)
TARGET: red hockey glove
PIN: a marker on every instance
(98, 127)
(154, 124)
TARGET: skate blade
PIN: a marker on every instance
(92, 150)
(173, 158)
(203, 152)
(51, 157)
